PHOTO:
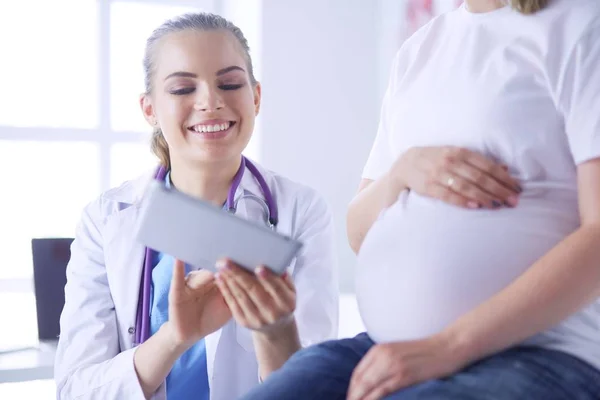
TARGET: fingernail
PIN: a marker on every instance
(512, 201)
(261, 271)
(473, 204)
(221, 264)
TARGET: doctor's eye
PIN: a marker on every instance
(230, 87)
(182, 91)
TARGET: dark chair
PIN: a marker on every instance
(50, 258)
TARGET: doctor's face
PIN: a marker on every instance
(202, 97)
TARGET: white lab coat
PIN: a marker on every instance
(94, 358)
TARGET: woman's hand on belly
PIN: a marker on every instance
(457, 176)
(389, 367)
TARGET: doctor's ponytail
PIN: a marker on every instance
(159, 147)
(191, 21)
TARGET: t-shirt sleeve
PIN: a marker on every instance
(579, 98)
(382, 157)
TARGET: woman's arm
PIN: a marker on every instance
(373, 197)
(451, 174)
(563, 281)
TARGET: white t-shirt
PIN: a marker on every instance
(523, 90)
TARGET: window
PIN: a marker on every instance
(39, 88)
(70, 124)
(46, 189)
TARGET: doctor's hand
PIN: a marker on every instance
(387, 368)
(262, 301)
(457, 176)
(196, 306)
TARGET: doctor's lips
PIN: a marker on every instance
(213, 128)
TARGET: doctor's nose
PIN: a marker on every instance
(208, 101)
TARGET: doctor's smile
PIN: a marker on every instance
(212, 129)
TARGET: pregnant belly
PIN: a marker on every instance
(424, 264)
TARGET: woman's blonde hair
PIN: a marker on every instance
(194, 21)
(528, 6)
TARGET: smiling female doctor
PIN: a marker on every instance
(201, 98)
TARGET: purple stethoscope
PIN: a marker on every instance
(142, 321)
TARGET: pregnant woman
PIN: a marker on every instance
(478, 220)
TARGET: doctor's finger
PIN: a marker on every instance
(178, 278)
(287, 278)
(243, 277)
(250, 285)
(253, 309)
(266, 306)
(236, 310)
(197, 279)
(231, 270)
(283, 296)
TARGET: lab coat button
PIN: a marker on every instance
(131, 330)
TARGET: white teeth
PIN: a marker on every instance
(211, 128)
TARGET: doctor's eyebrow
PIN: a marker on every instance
(229, 69)
(183, 74)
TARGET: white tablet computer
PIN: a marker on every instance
(200, 233)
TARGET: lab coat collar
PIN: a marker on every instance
(132, 192)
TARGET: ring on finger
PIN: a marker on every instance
(450, 182)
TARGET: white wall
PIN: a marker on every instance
(319, 74)
(323, 65)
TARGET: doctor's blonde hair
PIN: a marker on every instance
(191, 21)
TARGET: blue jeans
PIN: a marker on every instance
(323, 372)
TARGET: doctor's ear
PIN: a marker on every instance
(257, 97)
(148, 109)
